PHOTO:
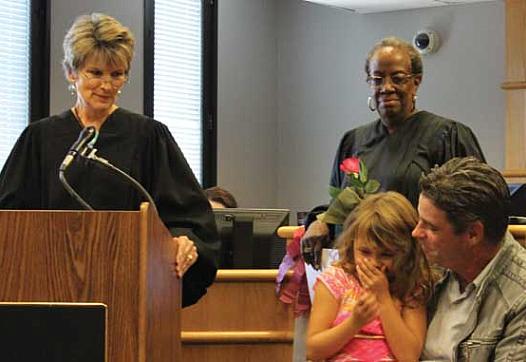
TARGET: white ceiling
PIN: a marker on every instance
(376, 6)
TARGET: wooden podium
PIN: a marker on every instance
(123, 259)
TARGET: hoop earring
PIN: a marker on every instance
(371, 104)
(72, 89)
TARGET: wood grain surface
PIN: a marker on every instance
(239, 319)
(109, 257)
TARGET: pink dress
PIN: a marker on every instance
(345, 288)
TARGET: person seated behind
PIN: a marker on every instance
(220, 198)
(403, 141)
(478, 309)
(370, 305)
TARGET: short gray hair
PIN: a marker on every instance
(417, 66)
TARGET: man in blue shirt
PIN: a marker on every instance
(478, 312)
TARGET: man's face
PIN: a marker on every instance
(436, 235)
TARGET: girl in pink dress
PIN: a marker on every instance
(370, 305)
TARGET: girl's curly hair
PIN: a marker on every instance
(387, 219)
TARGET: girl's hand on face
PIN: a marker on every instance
(365, 309)
(373, 279)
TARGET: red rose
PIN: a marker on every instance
(350, 165)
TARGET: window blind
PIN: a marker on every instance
(177, 74)
(15, 21)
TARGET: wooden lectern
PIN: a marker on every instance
(123, 259)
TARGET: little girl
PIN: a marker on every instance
(370, 306)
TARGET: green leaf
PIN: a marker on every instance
(355, 182)
(330, 218)
(364, 174)
(372, 186)
(340, 207)
(334, 191)
(335, 214)
(349, 198)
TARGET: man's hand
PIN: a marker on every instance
(316, 236)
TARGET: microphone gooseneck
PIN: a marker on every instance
(118, 171)
(86, 140)
(83, 146)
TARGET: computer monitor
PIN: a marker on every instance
(518, 199)
(53, 332)
(249, 239)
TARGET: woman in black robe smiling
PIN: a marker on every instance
(97, 56)
(403, 142)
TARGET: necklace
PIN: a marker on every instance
(77, 117)
(97, 125)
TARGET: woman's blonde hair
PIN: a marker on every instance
(387, 219)
(98, 35)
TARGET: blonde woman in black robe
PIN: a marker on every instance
(98, 51)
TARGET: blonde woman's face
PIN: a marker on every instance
(98, 84)
(380, 258)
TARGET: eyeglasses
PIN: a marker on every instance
(96, 77)
(397, 79)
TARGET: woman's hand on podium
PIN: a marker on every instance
(186, 255)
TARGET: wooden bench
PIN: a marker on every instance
(239, 319)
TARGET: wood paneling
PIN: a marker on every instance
(161, 295)
(519, 233)
(238, 353)
(236, 337)
(239, 319)
(122, 259)
(515, 87)
(515, 47)
(516, 131)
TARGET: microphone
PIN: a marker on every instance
(87, 138)
(83, 146)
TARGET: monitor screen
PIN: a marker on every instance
(53, 332)
(518, 200)
(249, 239)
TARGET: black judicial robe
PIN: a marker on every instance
(138, 145)
(398, 160)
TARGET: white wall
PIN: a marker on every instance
(247, 101)
(291, 81)
(322, 91)
(63, 12)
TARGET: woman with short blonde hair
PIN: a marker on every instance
(100, 35)
(98, 51)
